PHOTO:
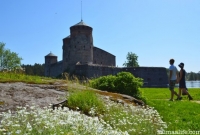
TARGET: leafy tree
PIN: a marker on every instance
(36, 69)
(132, 60)
(1, 53)
(192, 76)
(9, 59)
(198, 76)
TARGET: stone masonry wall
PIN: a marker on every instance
(102, 57)
(152, 76)
(56, 69)
(93, 71)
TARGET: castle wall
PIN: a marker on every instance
(93, 71)
(78, 47)
(49, 60)
(152, 76)
(102, 57)
(56, 69)
(66, 51)
(81, 45)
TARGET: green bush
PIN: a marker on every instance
(85, 100)
(123, 82)
(104, 83)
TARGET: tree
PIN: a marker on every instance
(191, 76)
(8, 59)
(132, 60)
(1, 53)
(36, 69)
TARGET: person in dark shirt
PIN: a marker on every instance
(182, 83)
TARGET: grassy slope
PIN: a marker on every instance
(179, 115)
(13, 77)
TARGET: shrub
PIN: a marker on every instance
(126, 83)
(85, 100)
(104, 83)
(123, 82)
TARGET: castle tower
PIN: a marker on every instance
(78, 47)
(49, 60)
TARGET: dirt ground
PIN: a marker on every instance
(22, 94)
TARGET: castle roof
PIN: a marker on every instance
(81, 23)
(50, 54)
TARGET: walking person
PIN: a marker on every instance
(182, 84)
(173, 79)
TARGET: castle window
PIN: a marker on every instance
(75, 46)
(148, 79)
(160, 79)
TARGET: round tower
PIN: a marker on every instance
(78, 47)
(49, 60)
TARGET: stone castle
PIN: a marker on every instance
(82, 58)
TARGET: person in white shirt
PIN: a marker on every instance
(173, 79)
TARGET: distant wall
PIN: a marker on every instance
(102, 57)
(152, 76)
(93, 71)
(56, 69)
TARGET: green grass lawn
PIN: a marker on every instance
(179, 115)
(16, 77)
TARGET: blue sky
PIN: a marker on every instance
(155, 30)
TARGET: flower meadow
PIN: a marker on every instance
(118, 119)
